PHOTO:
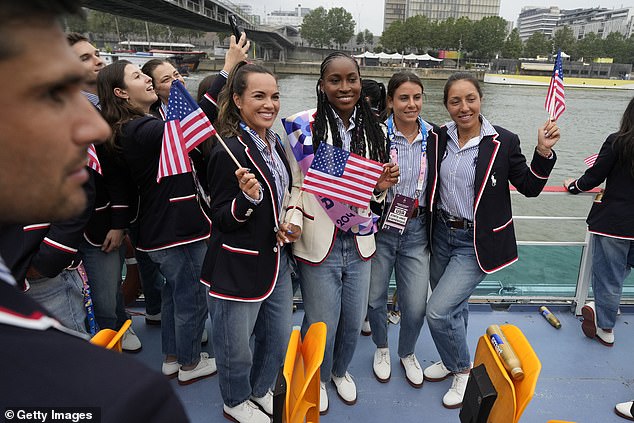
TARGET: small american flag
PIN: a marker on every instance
(186, 126)
(589, 161)
(342, 176)
(93, 160)
(555, 99)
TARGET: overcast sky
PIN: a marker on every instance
(369, 13)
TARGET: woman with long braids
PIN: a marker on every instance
(611, 221)
(334, 263)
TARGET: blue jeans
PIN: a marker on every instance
(151, 279)
(336, 292)
(612, 261)
(244, 370)
(408, 256)
(104, 277)
(454, 275)
(63, 297)
(184, 300)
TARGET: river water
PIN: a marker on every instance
(590, 116)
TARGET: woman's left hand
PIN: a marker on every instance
(389, 177)
(547, 137)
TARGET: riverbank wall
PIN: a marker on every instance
(383, 72)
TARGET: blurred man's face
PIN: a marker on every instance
(91, 61)
(46, 125)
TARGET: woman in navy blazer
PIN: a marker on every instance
(247, 263)
(471, 225)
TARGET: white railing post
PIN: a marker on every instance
(585, 275)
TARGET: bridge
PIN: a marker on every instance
(201, 15)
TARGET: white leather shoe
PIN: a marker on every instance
(625, 410)
(170, 369)
(130, 342)
(455, 394)
(436, 372)
(346, 388)
(590, 328)
(323, 398)
(413, 372)
(206, 367)
(265, 402)
(381, 365)
(245, 412)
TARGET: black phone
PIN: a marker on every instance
(235, 27)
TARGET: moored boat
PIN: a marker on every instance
(570, 82)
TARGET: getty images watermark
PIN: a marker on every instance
(52, 414)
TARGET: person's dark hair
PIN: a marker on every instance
(148, 68)
(458, 76)
(204, 86)
(28, 13)
(229, 115)
(115, 110)
(624, 143)
(75, 37)
(396, 81)
(374, 92)
(366, 125)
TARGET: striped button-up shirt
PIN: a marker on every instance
(457, 171)
(5, 273)
(345, 133)
(272, 159)
(93, 98)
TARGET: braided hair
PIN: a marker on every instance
(367, 130)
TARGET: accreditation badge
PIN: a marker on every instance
(399, 213)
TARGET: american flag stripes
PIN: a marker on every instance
(93, 160)
(555, 99)
(186, 126)
(342, 176)
(589, 161)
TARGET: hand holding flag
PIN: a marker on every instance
(555, 99)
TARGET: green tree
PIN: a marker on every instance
(368, 37)
(487, 37)
(394, 38)
(340, 25)
(315, 28)
(537, 45)
(614, 46)
(512, 48)
(360, 38)
(564, 40)
(590, 47)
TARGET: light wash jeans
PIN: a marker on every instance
(104, 277)
(612, 261)
(336, 292)
(408, 256)
(246, 370)
(63, 297)
(454, 275)
(184, 300)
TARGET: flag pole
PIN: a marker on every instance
(228, 151)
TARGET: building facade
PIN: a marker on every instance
(533, 19)
(601, 21)
(439, 10)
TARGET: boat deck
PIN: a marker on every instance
(580, 381)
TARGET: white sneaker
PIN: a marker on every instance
(130, 342)
(382, 366)
(455, 394)
(323, 399)
(625, 410)
(265, 402)
(366, 330)
(153, 319)
(170, 368)
(346, 389)
(436, 372)
(205, 367)
(413, 372)
(204, 338)
(245, 412)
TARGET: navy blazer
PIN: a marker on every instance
(242, 262)
(500, 162)
(613, 216)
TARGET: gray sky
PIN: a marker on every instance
(369, 13)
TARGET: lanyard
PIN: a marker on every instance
(423, 155)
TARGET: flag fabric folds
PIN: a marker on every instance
(186, 126)
(93, 160)
(589, 161)
(555, 99)
(342, 176)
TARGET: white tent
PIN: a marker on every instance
(411, 56)
(564, 55)
(383, 56)
(366, 55)
(428, 57)
(395, 56)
